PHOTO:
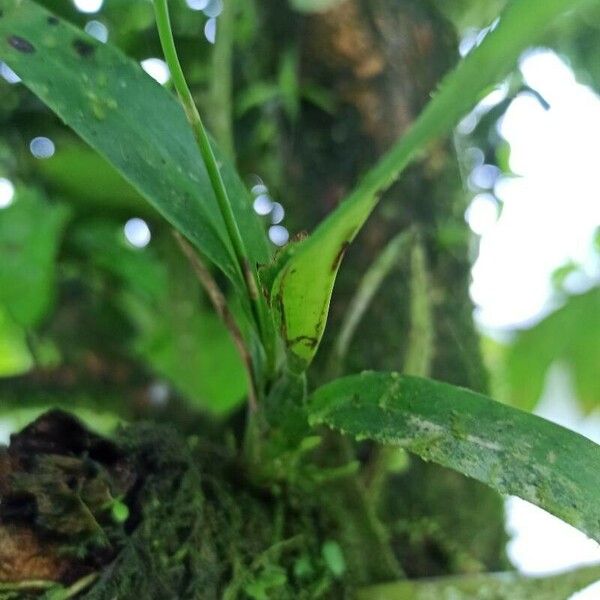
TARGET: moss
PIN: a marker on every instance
(205, 532)
(196, 526)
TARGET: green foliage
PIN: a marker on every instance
(303, 289)
(30, 233)
(102, 414)
(76, 170)
(512, 451)
(196, 355)
(568, 336)
(209, 530)
(15, 357)
(185, 344)
(334, 557)
(104, 97)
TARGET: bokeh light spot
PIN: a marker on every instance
(8, 74)
(158, 394)
(214, 8)
(88, 6)
(279, 235)
(262, 205)
(277, 213)
(482, 213)
(7, 192)
(197, 4)
(157, 69)
(484, 177)
(42, 147)
(210, 30)
(259, 188)
(137, 232)
(97, 30)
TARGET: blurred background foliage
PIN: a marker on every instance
(90, 321)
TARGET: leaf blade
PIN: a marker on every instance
(130, 120)
(31, 231)
(568, 336)
(510, 450)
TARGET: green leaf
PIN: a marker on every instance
(120, 511)
(15, 358)
(196, 355)
(74, 173)
(334, 557)
(570, 335)
(182, 342)
(137, 125)
(268, 580)
(103, 243)
(302, 291)
(30, 233)
(511, 451)
(485, 586)
(255, 95)
(102, 414)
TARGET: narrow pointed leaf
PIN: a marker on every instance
(132, 121)
(303, 288)
(512, 451)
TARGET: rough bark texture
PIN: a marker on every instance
(383, 59)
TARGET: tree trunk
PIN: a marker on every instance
(383, 59)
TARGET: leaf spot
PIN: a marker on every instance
(83, 48)
(339, 256)
(21, 44)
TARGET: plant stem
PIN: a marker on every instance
(220, 116)
(80, 585)
(367, 288)
(417, 360)
(220, 304)
(359, 527)
(163, 23)
(420, 347)
(165, 33)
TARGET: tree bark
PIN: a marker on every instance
(383, 59)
